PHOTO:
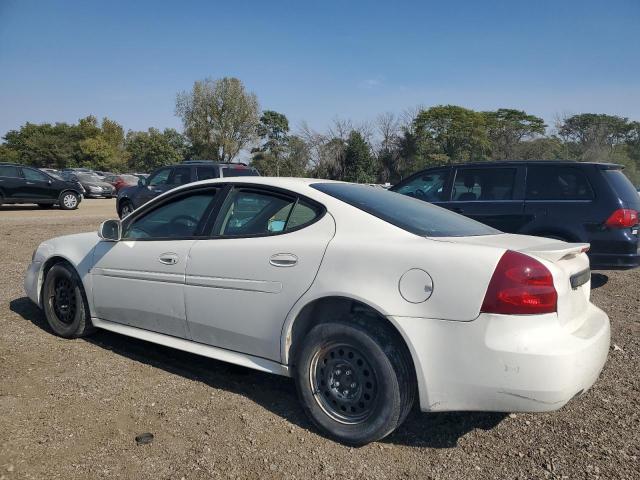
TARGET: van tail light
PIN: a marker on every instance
(622, 218)
(520, 285)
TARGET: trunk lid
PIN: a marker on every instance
(567, 262)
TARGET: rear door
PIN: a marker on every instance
(264, 253)
(11, 182)
(491, 195)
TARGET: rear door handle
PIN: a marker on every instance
(283, 260)
(168, 258)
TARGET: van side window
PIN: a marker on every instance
(429, 186)
(557, 183)
(485, 184)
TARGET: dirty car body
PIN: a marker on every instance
(488, 321)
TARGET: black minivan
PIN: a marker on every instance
(571, 201)
(21, 184)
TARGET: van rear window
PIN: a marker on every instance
(623, 187)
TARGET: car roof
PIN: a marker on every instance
(528, 162)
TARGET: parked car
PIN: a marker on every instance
(368, 298)
(22, 184)
(576, 202)
(120, 181)
(50, 171)
(166, 178)
(93, 185)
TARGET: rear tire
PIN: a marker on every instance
(356, 383)
(69, 201)
(64, 303)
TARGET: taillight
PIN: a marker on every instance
(520, 285)
(622, 218)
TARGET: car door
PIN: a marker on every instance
(491, 195)
(139, 280)
(11, 183)
(38, 185)
(265, 250)
(156, 184)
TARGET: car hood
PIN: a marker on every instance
(96, 184)
(128, 191)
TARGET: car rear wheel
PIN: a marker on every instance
(64, 303)
(125, 209)
(69, 201)
(352, 387)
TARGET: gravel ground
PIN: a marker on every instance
(72, 408)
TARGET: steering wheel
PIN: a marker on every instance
(419, 193)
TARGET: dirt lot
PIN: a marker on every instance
(71, 409)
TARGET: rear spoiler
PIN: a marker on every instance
(557, 251)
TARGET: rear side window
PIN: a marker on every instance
(485, 184)
(557, 183)
(9, 171)
(238, 171)
(623, 187)
(180, 176)
(410, 214)
(205, 173)
(429, 186)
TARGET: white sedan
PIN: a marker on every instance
(367, 298)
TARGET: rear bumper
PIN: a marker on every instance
(614, 261)
(505, 363)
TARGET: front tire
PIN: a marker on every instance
(125, 208)
(355, 383)
(64, 303)
(69, 201)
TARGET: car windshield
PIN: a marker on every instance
(87, 177)
(415, 216)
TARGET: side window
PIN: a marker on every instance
(179, 218)
(205, 173)
(9, 171)
(486, 184)
(180, 176)
(302, 214)
(34, 175)
(428, 186)
(557, 183)
(248, 212)
(159, 178)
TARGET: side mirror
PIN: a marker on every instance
(142, 182)
(110, 230)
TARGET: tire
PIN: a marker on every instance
(381, 388)
(69, 201)
(126, 207)
(65, 304)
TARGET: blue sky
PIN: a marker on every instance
(60, 61)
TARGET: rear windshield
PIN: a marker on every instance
(623, 187)
(240, 171)
(415, 216)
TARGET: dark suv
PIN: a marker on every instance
(21, 184)
(165, 178)
(571, 201)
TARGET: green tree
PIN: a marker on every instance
(220, 117)
(546, 148)
(506, 128)
(594, 135)
(456, 132)
(152, 149)
(273, 130)
(359, 164)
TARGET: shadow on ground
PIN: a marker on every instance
(598, 280)
(17, 208)
(275, 393)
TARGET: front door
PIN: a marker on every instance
(139, 281)
(492, 196)
(38, 186)
(264, 253)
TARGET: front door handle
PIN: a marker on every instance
(168, 258)
(283, 260)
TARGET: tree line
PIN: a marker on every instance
(222, 121)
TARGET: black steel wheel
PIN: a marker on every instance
(355, 381)
(64, 302)
(126, 209)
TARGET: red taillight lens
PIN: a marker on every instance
(520, 285)
(622, 218)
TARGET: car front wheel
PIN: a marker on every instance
(64, 303)
(125, 209)
(69, 201)
(355, 383)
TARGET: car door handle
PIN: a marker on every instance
(168, 258)
(30, 183)
(283, 260)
